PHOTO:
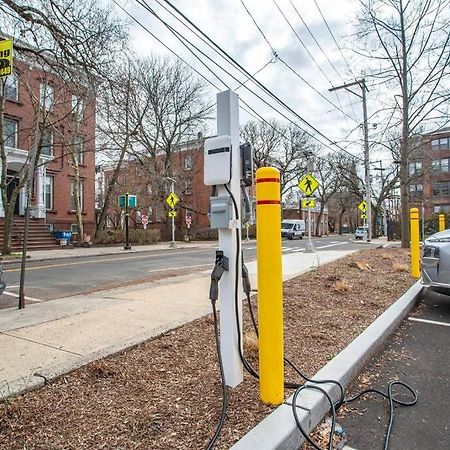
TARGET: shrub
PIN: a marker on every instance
(149, 236)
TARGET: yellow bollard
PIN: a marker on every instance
(270, 285)
(415, 247)
(441, 222)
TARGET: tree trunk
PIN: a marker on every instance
(319, 219)
(341, 217)
(8, 224)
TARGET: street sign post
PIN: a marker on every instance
(172, 200)
(6, 57)
(127, 201)
(308, 184)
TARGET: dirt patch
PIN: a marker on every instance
(165, 394)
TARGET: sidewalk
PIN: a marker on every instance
(51, 338)
(76, 252)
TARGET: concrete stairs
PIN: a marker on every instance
(39, 238)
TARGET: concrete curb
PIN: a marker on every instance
(278, 431)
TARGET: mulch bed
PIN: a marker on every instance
(166, 393)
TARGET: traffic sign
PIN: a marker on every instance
(363, 216)
(172, 200)
(6, 57)
(363, 206)
(188, 220)
(308, 202)
(122, 201)
(172, 213)
(144, 219)
(308, 184)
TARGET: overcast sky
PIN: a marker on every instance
(229, 25)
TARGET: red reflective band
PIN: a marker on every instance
(268, 202)
(267, 180)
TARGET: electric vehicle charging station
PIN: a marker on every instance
(222, 170)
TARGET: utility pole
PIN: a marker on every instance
(362, 84)
(127, 245)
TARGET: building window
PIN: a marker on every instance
(188, 187)
(415, 167)
(441, 208)
(78, 149)
(12, 88)
(415, 189)
(188, 162)
(80, 195)
(77, 107)
(441, 189)
(10, 129)
(440, 144)
(47, 142)
(48, 191)
(440, 165)
(47, 96)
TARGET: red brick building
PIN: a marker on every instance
(429, 170)
(70, 128)
(186, 168)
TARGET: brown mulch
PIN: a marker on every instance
(166, 393)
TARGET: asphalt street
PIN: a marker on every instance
(418, 354)
(52, 279)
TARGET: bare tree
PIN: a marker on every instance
(408, 44)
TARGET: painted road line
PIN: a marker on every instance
(332, 245)
(432, 322)
(95, 261)
(167, 269)
(13, 294)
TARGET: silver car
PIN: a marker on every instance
(436, 262)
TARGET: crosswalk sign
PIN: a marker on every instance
(6, 57)
(172, 200)
(172, 213)
(308, 184)
(308, 203)
(363, 206)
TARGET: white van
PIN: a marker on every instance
(292, 229)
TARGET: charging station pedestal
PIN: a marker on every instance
(223, 167)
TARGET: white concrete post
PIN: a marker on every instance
(228, 124)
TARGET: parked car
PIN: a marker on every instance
(435, 264)
(293, 229)
(361, 233)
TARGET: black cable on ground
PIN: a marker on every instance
(214, 438)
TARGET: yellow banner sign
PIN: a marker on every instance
(6, 57)
(172, 213)
(308, 203)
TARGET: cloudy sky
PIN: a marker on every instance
(336, 115)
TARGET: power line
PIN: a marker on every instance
(226, 56)
(290, 67)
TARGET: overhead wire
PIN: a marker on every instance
(185, 42)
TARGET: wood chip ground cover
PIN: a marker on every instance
(165, 393)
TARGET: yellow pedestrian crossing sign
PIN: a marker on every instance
(308, 203)
(363, 206)
(172, 200)
(308, 184)
(172, 213)
(6, 57)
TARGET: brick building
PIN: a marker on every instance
(152, 189)
(70, 128)
(429, 171)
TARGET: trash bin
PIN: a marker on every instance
(63, 236)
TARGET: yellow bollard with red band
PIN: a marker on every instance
(415, 245)
(270, 285)
(441, 222)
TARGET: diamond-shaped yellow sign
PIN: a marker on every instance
(308, 184)
(363, 206)
(172, 213)
(172, 200)
(308, 203)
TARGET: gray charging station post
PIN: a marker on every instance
(228, 124)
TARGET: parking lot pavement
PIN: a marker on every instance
(419, 354)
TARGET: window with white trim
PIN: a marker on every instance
(78, 145)
(12, 88)
(77, 107)
(441, 189)
(416, 189)
(10, 132)
(47, 96)
(415, 167)
(80, 195)
(440, 165)
(188, 162)
(47, 142)
(440, 144)
(188, 187)
(48, 191)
